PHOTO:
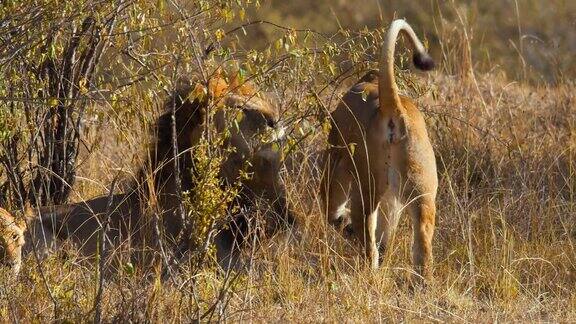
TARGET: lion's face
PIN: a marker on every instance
(257, 142)
(253, 126)
(11, 241)
(250, 121)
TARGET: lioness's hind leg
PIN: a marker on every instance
(364, 223)
(335, 189)
(371, 246)
(423, 212)
(387, 221)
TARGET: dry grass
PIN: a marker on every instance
(530, 40)
(504, 246)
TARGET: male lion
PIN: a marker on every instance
(380, 159)
(11, 241)
(155, 187)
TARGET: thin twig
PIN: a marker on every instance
(102, 253)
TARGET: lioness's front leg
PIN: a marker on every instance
(364, 222)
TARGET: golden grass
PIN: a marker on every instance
(504, 245)
(505, 242)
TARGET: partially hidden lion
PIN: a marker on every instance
(11, 241)
(380, 160)
(155, 188)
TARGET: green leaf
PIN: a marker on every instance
(52, 52)
(129, 269)
(326, 126)
(365, 93)
(352, 148)
(219, 34)
(296, 53)
(332, 68)
(278, 44)
(239, 116)
(52, 102)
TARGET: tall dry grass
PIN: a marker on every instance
(504, 244)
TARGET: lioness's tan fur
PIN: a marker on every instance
(381, 160)
(11, 240)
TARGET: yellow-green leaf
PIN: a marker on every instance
(82, 86)
(52, 102)
(219, 34)
(365, 93)
(352, 148)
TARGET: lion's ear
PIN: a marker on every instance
(217, 87)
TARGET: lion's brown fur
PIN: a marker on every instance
(154, 189)
(11, 240)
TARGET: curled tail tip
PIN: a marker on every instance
(423, 61)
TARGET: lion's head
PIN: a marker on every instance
(246, 121)
(11, 241)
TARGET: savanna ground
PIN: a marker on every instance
(501, 112)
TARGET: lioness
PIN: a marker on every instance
(11, 241)
(380, 159)
(156, 184)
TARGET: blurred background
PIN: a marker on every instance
(532, 40)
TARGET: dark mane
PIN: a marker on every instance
(155, 191)
(159, 159)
